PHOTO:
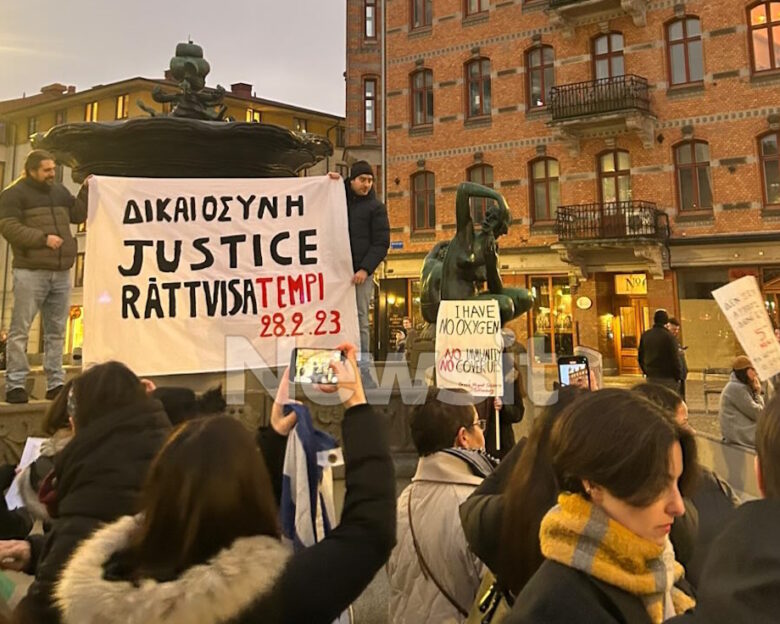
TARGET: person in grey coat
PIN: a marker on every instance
(740, 404)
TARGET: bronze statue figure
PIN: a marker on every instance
(459, 269)
(190, 69)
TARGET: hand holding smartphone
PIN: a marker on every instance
(573, 370)
(313, 366)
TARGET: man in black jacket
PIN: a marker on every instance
(369, 237)
(35, 217)
(740, 581)
(658, 355)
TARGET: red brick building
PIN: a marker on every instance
(635, 141)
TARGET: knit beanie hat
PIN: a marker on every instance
(741, 363)
(359, 168)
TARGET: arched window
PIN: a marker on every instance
(422, 13)
(614, 176)
(694, 180)
(770, 167)
(545, 188)
(481, 174)
(423, 201)
(684, 48)
(764, 21)
(540, 75)
(478, 87)
(422, 97)
(608, 56)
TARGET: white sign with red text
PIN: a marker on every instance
(744, 308)
(468, 347)
(176, 266)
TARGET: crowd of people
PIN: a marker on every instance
(155, 507)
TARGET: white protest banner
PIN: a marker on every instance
(176, 266)
(743, 306)
(468, 347)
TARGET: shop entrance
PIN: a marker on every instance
(632, 318)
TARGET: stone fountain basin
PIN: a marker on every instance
(175, 147)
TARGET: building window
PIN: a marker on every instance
(552, 329)
(481, 174)
(770, 167)
(608, 56)
(122, 106)
(78, 273)
(765, 35)
(370, 19)
(60, 117)
(343, 170)
(614, 176)
(694, 180)
(301, 124)
(478, 88)
(540, 75)
(32, 126)
(477, 6)
(423, 201)
(254, 116)
(91, 111)
(545, 188)
(341, 136)
(683, 40)
(369, 106)
(422, 13)
(422, 97)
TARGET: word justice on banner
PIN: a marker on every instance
(744, 308)
(176, 266)
(468, 347)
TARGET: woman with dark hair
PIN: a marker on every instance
(741, 404)
(206, 548)
(96, 479)
(620, 464)
(707, 508)
(433, 576)
(495, 516)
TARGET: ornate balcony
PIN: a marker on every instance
(605, 107)
(629, 235)
(567, 14)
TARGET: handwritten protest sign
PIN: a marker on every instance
(744, 309)
(468, 347)
(176, 266)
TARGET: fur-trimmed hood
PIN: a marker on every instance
(212, 593)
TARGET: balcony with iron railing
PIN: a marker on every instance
(627, 93)
(566, 12)
(628, 220)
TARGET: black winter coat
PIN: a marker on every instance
(29, 212)
(740, 582)
(99, 476)
(658, 355)
(558, 594)
(369, 230)
(257, 579)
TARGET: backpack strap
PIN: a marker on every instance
(426, 570)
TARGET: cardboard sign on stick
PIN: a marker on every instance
(743, 306)
(468, 347)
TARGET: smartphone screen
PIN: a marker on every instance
(312, 366)
(574, 372)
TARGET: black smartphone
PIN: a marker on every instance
(312, 366)
(573, 370)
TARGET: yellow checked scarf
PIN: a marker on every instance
(580, 535)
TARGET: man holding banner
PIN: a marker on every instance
(369, 238)
(35, 216)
